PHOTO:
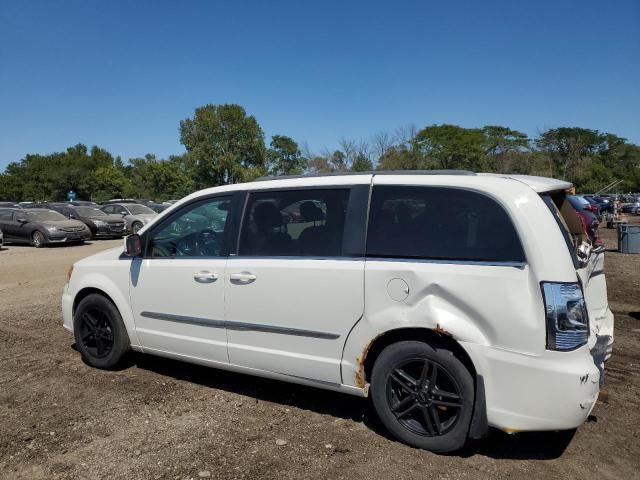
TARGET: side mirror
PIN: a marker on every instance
(133, 246)
(21, 220)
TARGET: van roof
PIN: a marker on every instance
(539, 184)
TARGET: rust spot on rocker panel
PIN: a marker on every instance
(361, 381)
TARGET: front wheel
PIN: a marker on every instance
(37, 239)
(424, 395)
(136, 227)
(100, 334)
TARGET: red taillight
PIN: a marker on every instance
(592, 208)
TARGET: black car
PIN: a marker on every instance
(605, 204)
(40, 227)
(101, 224)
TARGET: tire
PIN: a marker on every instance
(416, 410)
(100, 334)
(135, 227)
(37, 239)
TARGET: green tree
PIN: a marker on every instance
(160, 179)
(400, 157)
(224, 145)
(451, 147)
(568, 148)
(284, 157)
(111, 182)
(361, 163)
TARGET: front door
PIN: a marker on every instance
(177, 288)
(293, 292)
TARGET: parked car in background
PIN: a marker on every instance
(455, 301)
(40, 227)
(633, 208)
(589, 220)
(10, 205)
(101, 224)
(158, 207)
(605, 204)
(135, 215)
(1, 239)
(120, 200)
(82, 203)
(589, 205)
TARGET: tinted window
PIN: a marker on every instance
(198, 230)
(295, 223)
(440, 223)
(108, 209)
(6, 215)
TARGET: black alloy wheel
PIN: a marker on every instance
(424, 397)
(96, 333)
(423, 394)
(99, 331)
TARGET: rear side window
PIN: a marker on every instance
(295, 223)
(440, 223)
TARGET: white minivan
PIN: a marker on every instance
(456, 301)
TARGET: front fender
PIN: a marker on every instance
(118, 292)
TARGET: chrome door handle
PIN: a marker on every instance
(242, 277)
(205, 276)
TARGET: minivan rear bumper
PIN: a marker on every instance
(553, 391)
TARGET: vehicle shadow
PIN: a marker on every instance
(497, 444)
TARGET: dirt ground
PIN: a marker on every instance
(161, 419)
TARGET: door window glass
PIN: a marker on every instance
(440, 223)
(295, 223)
(6, 215)
(198, 230)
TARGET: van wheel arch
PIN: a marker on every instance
(85, 292)
(479, 422)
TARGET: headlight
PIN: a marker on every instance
(566, 312)
(99, 223)
(52, 229)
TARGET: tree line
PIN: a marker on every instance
(226, 145)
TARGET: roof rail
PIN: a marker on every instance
(375, 172)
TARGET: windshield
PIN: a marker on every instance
(140, 210)
(90, 212)
(45, 216)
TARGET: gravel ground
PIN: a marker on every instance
(158, 418)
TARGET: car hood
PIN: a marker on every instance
(61, 223)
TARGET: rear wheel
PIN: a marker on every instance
(100, 334)
(424, 395)
(37, 239)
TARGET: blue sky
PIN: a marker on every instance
(122, 74)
